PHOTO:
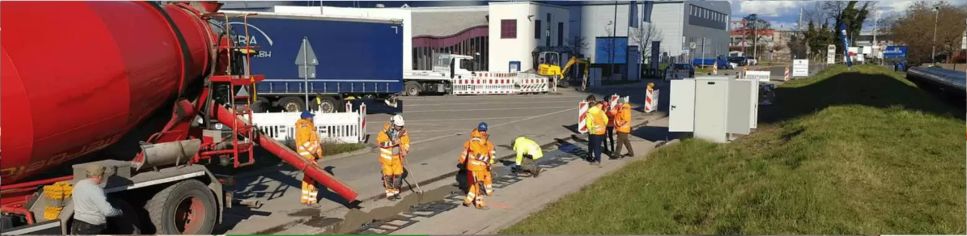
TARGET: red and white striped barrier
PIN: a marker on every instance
(613, 101)
(785, 76)
(651, 100)
(582, 115)
(349, 105)
(529, 83)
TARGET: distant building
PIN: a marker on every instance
(498, 34)
(679, 25)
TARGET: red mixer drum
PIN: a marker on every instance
(76, 76)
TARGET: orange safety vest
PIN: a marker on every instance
(307, 139)
(611, 115)
(387, 143)
(478, 152)
(624, 118)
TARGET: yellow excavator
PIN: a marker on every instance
(549, 66)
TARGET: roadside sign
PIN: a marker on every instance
(895, 52)
(831, 54)
(762, 76)
(800, 68)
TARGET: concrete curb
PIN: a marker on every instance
(281, 164)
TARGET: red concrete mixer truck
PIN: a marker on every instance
(82, 80)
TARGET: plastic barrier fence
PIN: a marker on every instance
(343, 127)
(500, 83)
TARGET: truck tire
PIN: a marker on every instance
(292, 104)
(129, 222)
(412, 88)
(261, 105)
(330, 105)
(187, 207)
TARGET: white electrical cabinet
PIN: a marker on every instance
(713, 107)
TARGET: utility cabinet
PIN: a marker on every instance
(713, 107)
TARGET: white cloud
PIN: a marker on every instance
(765, 8)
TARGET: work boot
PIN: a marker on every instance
(536, 172)
(480, 205)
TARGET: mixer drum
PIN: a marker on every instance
(77, 76)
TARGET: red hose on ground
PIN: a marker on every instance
(310, 168)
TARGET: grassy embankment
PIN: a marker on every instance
(860, 152)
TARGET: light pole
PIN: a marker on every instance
(933, 45)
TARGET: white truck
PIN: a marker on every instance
(446, 67)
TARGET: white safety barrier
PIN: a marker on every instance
(342, 127)
(582, 115)
(483, 83)
(651, 100)
(530, 83)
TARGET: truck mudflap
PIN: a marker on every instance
(310, 168)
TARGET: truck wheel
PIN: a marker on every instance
(292, 104)
(412, 88)
(261, 105)
(329, 105)
(187, 207)
(129, 222)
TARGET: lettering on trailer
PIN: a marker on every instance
(56, 159)
(241, 40)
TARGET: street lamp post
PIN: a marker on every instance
(933, 45)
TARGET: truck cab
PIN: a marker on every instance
(446, 67)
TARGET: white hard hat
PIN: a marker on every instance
(397, 120)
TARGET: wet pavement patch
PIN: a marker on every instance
(415, 206)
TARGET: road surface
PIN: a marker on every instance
(438, 127)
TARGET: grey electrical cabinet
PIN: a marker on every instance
(712, 107)
(681, 108)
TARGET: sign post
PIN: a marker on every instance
(831, 54)
(307, 62)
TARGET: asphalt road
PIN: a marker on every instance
(438, 126)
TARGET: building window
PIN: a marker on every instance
(537, 29)
(508, 29)
(560, 34)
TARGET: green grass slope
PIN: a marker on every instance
(844, 152)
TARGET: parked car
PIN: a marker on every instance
(679, 71)
(739, 61)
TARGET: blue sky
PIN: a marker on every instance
(786, 13)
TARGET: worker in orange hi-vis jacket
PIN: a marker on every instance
(394, 144)
(477, 158)
(307, 145)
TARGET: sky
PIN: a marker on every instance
(786, 13)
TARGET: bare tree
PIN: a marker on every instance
(643, 36)
(578, 44)
(915, 28)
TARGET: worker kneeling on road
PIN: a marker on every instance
(394, 144)
(307, 145)
(480, 135)
(477, 159)
(527, 153)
